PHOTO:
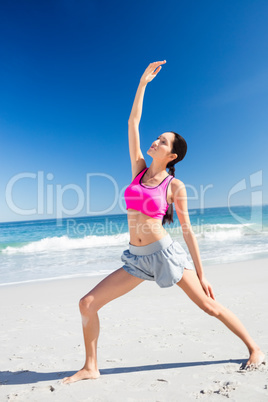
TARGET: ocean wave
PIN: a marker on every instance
(230, 225)
(224, 231)
(63, 243)
(217, 232)
(223, 235)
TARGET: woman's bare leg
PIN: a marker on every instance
(114, 285)
(193, 288)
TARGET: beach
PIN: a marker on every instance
(155, 344)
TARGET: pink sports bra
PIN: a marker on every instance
(151, 201)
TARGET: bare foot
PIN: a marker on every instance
(256, 359)
(82, 374)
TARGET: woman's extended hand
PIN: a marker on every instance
(207, 288)
(149, 73)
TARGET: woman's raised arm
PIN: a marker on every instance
(133, 128)
(135, 115)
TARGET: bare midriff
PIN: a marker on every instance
(143, 229)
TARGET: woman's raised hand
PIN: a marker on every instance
(149, 73)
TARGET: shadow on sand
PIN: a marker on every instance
(30, 377)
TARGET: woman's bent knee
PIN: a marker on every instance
(87, 305)
(211, 308)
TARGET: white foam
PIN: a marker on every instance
(65, 243)
(221, 231)
(223, 235)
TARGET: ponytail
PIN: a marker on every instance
(169, 214)
(172, 170)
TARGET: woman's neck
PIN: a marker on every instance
(153, 172)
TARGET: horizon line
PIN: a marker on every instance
(91, 216)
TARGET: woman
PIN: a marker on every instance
(152, 254)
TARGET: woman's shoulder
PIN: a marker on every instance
(176, 182)
(177, 188)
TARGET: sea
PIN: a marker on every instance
(50, 249)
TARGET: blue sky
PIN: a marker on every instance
(69, 71)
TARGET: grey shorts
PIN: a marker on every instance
(162, 261)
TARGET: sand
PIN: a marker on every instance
(155, 344)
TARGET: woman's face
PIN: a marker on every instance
(162, 146)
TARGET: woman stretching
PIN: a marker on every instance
(152, 254)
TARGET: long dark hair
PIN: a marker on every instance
(179, 148)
